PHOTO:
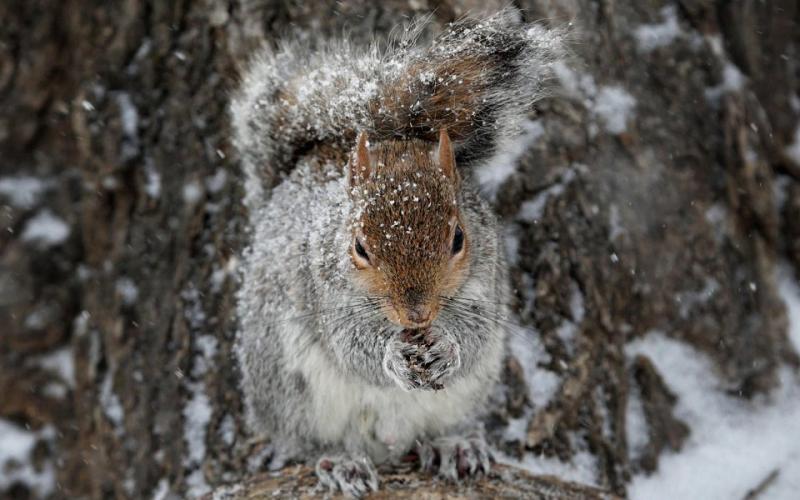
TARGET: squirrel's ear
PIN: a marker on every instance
(447, 159)
(359, 161)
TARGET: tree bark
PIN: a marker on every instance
(118, 335)
(503, 482)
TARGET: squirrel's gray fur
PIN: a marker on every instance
(314, 365)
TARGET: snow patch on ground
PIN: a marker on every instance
(221, 274)
(732, 81)
(636, 432)
(581, 469)
(526, 345)
(531, 210)
(110, 402)
(22, 192)
(734, 444)
(794, 102)
(197, 414)
(614, 106)
(789, 290)
(152, 183)
(611, 105)
(128, 114)
(719, 221)
(161, 490)
(45, 230)
(192, 192)
(227, 430)
(40, 316)
(653, 36)
(568, 328)
(542, 384)
(690, 300)
(207, 345)
(615, 228)
(127, 290)
(198, 411)
(574, 83)
(492, 175)
(129, 117)
(60, 362)
(16, 446)
(215, 183)
(196, 485)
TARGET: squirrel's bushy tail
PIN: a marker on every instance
(478, 79)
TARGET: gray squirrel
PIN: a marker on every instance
(375, 285)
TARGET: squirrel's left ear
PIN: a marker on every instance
(447, 159)
(359, 162)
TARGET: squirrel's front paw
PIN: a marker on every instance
(421, 359)
(355, 477)
(455, 457)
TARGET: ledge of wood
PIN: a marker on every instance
(504, 482)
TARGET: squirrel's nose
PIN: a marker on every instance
(414, 309)
(419, 314)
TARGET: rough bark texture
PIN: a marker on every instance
(672, 222)
(504, 482)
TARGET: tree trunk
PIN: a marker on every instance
(656, 190)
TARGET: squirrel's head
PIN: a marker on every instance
(410, 244)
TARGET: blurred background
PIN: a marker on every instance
(652, 207)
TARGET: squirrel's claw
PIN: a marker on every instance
(456, 457)
(354, 477)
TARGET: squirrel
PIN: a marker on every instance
(375, 281)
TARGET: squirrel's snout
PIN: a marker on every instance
(412, 309)
(420, 314)
(415, 316)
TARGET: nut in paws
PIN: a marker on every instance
(421, 359)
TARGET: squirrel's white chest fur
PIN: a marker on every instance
(383, 421)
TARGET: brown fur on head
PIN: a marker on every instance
(410, 245)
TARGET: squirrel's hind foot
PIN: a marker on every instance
(354, 477)
(456, 457)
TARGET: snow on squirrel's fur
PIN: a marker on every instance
(486, 70)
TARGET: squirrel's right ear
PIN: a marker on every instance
(359, 161)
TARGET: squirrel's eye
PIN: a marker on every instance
(458, 240)
(360, 251)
